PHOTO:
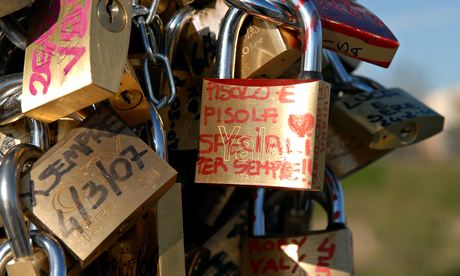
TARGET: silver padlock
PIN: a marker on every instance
(11, 213)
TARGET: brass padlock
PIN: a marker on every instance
(27, 260)
(70, 62)
(264, 50)
(8, 6)
(373, 121)
(91, 187)
(348, 27)
(130, 102)
(261, 132)
(315, 253)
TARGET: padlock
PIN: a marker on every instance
(8, 6)
(27, 261)
(348, 27)
(91, 187)
(260, 132)
(130, 102)
(371, 121)
(313, 253)
(73, 40)
(264, 50)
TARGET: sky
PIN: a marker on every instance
(428, 58)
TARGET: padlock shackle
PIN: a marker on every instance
(5, 256)
(173, 30)
(54, 252)
(335, 195)
(10, 98)
(343, 75)
(157, 139)
(300, 14)
(258, 226)
(39, 134)
(227, 43)
(10, 206)
(13, 31)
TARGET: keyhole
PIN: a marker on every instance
(126, 97)
(109, 8)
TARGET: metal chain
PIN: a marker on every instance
(149, 40)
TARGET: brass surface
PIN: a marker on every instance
(321, 253)
(263, 133)
(11, 135)
(387, 118)
(71, 61)
(130, 102)
(264, 51)
(170, 233)
(91, 187)
(9, 6)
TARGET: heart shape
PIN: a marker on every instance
(301, 124)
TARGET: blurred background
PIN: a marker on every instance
(404, 210)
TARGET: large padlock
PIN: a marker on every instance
(27, 260)
(73, 40)
(372, 120)
(265, 132)
(91, 187)
(314, 253)
(348, 27)
(8, 6)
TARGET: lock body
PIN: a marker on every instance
(8, 6)
(92, 186)
(71, 62)
(387, 118)
(263, 132)
(318, 253)
(264, 50)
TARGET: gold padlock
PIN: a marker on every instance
(130, 102)
(262, 132)
(264, 50)
(71, 62)
(91, 187)
(326, 252)
(8, 6)
(368, 124)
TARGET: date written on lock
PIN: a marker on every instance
(71, 61)
(263, 132)
(325, 253)
(90, 188)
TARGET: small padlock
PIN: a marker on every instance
(260, 132)
(73, 40)
(348, 27)
(130, 102)
(91, 187)
(27, 261)
(264, 50)
(369, 123)
(8, 6)
(314, 253)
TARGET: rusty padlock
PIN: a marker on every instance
(70, 62)
(265, 132)
(8, 6)
(315, 253)
(372, 120)
(90, 187)
(27, 260)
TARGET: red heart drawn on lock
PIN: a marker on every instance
(301, 124)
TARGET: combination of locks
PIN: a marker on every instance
(190, 137)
